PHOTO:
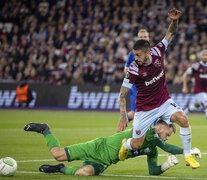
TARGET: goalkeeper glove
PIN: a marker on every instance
(171, 161)
(196, 152)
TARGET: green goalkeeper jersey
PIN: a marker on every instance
(105, 151)
(113, 144)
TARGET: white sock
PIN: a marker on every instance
(185, 136)
(127, 144)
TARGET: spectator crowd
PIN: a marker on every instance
(87, 41)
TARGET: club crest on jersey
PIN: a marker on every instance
(157, 63)
(138, 132)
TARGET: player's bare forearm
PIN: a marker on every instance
(173, 27)
(172, 30)
(122, 101)
(123, 123)
(174, 15)
(185, 79)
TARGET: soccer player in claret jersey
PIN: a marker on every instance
(142, 34)
(100, 153)
(153, 100)
(199, 72)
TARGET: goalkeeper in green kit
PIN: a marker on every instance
(100, 153)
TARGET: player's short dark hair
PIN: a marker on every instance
(142, 45)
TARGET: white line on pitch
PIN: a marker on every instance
(28, 172)
(160, 177)
(129, 176)
(40, 160)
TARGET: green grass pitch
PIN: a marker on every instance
(75, 127)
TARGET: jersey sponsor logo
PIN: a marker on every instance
(203, 76)
(138, 132)
(157, 63)
(154, 79)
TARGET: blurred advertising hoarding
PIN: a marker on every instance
(86, 97)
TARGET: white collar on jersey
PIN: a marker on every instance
(149, 62)
(201, 62)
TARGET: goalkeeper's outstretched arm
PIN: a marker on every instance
(173, 149)
(154, 169)
(171, 161)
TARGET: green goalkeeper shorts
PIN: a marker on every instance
(99, 168)
(92, 151)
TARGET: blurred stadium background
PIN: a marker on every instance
(62, 46)
(72, 54)
(77, 41)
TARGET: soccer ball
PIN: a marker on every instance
(8, 166)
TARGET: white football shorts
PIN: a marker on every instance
(144, 119)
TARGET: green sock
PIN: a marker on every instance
(69, 170)
(51, 141)
(46, 132)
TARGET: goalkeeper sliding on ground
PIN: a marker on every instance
(100, 153)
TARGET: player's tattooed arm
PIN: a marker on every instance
(123, 122)
(174, 15)
(122, 100)
(172, 30)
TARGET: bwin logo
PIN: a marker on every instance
(147, 83)
(92, 100)
(7, 98)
